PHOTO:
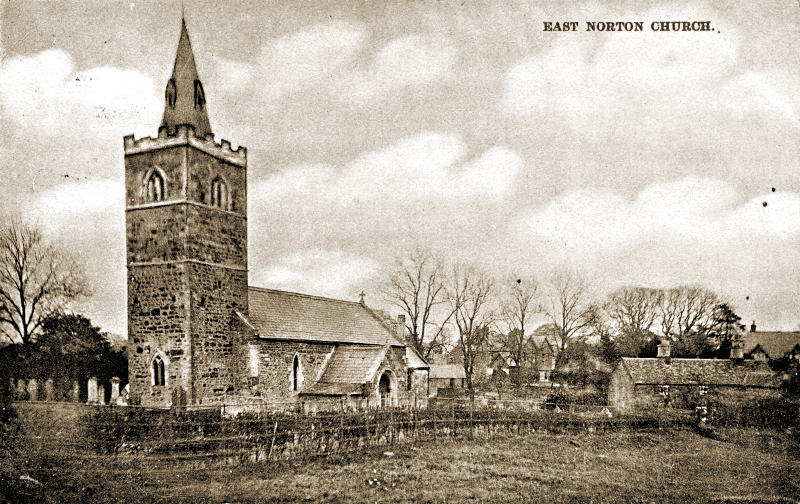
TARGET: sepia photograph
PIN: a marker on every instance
(409, 251)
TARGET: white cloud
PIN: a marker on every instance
(420, 168)
(333, 273)
(46, 93)
(407, 61)
(645, 82)
(307, 57)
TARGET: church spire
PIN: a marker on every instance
(185, 100)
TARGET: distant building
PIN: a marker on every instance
(450, 376)
(644, 383)
(771, 345)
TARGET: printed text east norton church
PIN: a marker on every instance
(198, 334)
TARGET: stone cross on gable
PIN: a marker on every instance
(361, 296)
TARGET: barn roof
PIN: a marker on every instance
(447, 371)
(700, 371)
(281, 315)
(774, 343)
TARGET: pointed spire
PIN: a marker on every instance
(185, 100)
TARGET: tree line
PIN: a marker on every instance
(458, 309)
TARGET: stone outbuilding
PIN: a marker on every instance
(446, 376)
(642, 383)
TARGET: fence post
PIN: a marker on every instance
(453, 419)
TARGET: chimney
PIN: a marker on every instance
(753, 326)
(664, 350)
(400, 328)
(737, 350)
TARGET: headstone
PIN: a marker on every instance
(48, 390)
(76, 391)
(115, 399)
(91, 389)
(101, 394)
(21, 393)
(33, 390)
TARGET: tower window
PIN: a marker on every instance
(171, 93)
(159, 379)
(199, 95)
(219, 193)
(154, 187)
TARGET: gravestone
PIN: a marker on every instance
(101, 394)
(91, 388)
(21, 392)
(48, 390)
(33, 390)
(76, 391)
(115, 398)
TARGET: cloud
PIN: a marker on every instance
(307, 57)
(646, 82)
(45, 93)
(333, 273)
(407, 61)
(424, 167)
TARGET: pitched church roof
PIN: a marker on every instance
(656, 371)
(185, 99)
(282, 315)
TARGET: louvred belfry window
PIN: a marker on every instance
(199, 95)
(219, 193)
(171, 93)
(154, 187)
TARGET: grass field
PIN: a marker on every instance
(680, 466)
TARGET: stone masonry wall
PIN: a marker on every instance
(217, 335)
(158, 304)
(138, 166)
(274, 383)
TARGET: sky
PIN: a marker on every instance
(643, 158)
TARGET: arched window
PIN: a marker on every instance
(219, 193)
(154, 187)
(199, 96)
(171, 93)
(159, 378)
(297, 374)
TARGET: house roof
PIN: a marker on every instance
(274, 314)
(447, 371)
(774, 343)
(699, 371)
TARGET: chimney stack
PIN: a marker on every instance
(664, 350)
(753, 326)
(401, 328)
(737, 350)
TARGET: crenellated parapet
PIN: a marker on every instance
(185, 135)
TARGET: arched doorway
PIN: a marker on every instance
(385, 389)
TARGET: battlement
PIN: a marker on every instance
(184, 134)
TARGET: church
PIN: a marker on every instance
(198, 333)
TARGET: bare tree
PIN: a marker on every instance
(36, 281)
(569, 310)
(418, 287)
(687, 316)
(634, 311)
(519, 305)
(470, 298)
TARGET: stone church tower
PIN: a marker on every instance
(186, 228)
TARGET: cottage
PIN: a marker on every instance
(771, 345)
(198, 333)
(664, 381)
